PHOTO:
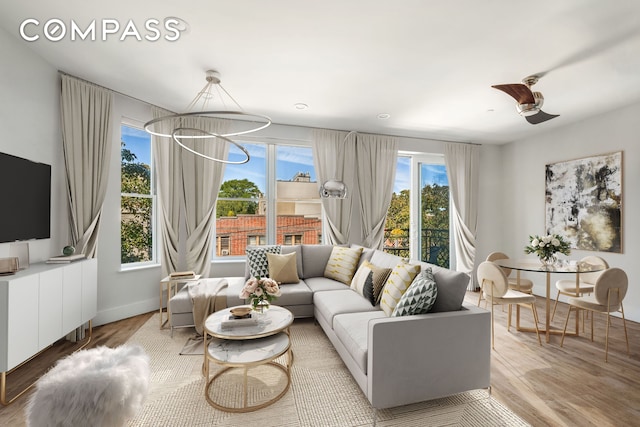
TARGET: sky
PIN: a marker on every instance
(289, 161)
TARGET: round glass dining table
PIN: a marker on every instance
(563, 267)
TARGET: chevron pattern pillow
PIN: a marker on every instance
(342, 264)
(257, 259)
(420, 296)
(398, 282)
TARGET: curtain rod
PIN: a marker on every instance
(279, 124)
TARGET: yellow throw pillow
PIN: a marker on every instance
(283, 268)
(397, 284)
(342, 264)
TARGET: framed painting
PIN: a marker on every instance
(583, 202)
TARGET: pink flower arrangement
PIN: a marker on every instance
(259, 290)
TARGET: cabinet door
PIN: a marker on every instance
(22, 320)
(71, 297)
(50, 307)
(89, 289)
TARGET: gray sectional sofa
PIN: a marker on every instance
(395, 360)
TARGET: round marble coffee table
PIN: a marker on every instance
(245, 347)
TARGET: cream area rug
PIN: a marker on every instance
(322, 391)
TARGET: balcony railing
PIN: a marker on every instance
(435, 244)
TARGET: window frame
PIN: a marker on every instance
(139, 125)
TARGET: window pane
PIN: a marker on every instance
(434, 208)
(298, 207)
(136, 203)
(397, 224)
(241, 205)
(136, 229)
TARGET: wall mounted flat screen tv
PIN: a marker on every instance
(25, 199)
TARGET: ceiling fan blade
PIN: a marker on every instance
(518, 91)
(540, 117)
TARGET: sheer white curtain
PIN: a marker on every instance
(377, 158)
(334, 157)
(201, 182)
(86, 139)
(462, 161)
(167, 157)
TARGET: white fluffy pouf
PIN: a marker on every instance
(101, 386)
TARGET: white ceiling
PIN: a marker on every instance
(429, 64)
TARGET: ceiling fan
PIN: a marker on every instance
(529, 102)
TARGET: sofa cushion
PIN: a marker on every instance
(317, 284)
(283, 268)
(452, 287)
(332, 303)
(420, 296)
(383, 259)
(369, 281)
(314, 260)
(342, 264)
(294, 294)
(366, 255)
(399, 280)
(286, 249)
(352, 329)
(181, 301)
(257, 259)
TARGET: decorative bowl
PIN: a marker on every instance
(240, 311)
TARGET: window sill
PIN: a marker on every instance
(137, 267)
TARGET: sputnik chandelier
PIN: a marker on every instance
(171, 126)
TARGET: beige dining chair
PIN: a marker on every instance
(495, 287)
(608, 292)
(524, 285)
(586, 282)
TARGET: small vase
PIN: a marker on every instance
(548, 261)
(261, 307)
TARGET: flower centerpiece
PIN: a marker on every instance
(546, 247)
(261, 292)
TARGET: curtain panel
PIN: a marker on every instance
(334, 157)
(462, 162)
(377, 158)
(86, 140)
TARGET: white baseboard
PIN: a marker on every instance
(124, 311)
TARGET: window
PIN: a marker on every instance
(272, 199)
(137, 197)
(421, 191)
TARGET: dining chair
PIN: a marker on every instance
(608, 292)
(524, 285)
(586, 282)
(496, 290)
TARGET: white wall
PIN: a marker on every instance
(521, 211)
(30, 123)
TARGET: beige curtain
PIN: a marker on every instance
(377, 158)
(201, 179)
(86, 139)
(462, 161)
(167, 157)
(334, 157)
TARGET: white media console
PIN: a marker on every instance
(42, 304)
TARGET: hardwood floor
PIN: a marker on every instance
(546, 385)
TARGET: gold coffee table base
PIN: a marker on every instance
(245, 407)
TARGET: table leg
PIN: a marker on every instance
(547, 307)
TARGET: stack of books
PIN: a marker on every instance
(177, 275)
(65, 259)
(236, 321)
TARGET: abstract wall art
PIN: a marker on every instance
(583, 202)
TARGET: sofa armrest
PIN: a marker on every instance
(417, 358)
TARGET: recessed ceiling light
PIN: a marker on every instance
(383, 116)
(300, 106)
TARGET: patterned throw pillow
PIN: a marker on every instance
(283, 268)
(369, 281)
(399, 280)
(420, 296)
(257, 259)
(342, 264)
